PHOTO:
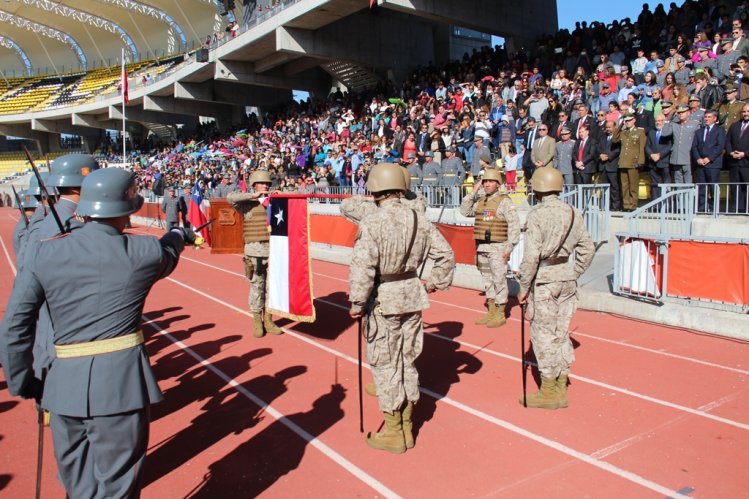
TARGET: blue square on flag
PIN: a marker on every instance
(289, 266)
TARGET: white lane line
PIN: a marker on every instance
(641, 396)
(576, 333)
(7, 255)
(622, 473)
(278, 416)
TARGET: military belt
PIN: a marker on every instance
(99, 347)
(398, 277)
(430, 178)
(448, 174)
(553, 261)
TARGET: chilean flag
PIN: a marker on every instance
(289, 266)
(196, 214)
(125, 93)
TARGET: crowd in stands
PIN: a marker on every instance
(674, 74)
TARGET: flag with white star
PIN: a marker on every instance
(289, 265)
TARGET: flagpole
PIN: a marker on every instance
(124, 91)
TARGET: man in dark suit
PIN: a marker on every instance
(608, 155)
(707, 156)
(737, 148)
(584, 157)
(555, 130)
(531, 133)
(584, 121)
(658, 153)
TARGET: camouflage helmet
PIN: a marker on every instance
(34, 188)
(547, 179)
(492, 174)
(109, 193)
(261, 177)
(28, 201)
(386, 177)
(406, 176)
(71, 169)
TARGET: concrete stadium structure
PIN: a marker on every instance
(308, 45)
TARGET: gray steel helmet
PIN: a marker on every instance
(109, 193)
(34, 188)
(28, 201)
(71, 169)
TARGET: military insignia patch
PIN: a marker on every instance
(489, 214)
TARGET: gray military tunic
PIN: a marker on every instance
(416, 175)
(172, 207)
(104, 395)
(453, 172)
(432, 172)
(563, 160)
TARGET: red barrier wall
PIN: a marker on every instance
(711, 271)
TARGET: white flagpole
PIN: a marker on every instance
(124, 90)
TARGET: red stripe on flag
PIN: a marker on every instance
(300, 287)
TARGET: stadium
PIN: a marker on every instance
(196, 97)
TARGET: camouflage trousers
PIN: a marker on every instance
(393, 342)
(493, 269)
(550, 311)
(257, 284)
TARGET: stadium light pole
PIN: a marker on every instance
(123, 85)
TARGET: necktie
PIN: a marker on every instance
(580, 151)
(707, 130)
(743, 127)
(657, 136)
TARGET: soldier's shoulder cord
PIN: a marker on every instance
(411, 242)
(567, 234)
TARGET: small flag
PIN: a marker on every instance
(125, 95)
(196, 214)
(289, 267)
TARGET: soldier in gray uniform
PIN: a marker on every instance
(68, 173)
(481, 157)
(563, 156)
(355, 208)
(225, 187)
(100, 385)
(414, 170)
(431, 170)
(29, 205)
(36, 218)
(385, 290)
(452, 176)
(173, 207)
(554, 231)
(682, 129)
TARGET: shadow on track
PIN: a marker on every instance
(440, 366)
(257, 464)
(5, 480)
(225, 413)
(331, 321)
(179, 361)
(8, 405)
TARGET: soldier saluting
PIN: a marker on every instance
(100, 384)
(384, 287)
(252, 206)
(496, 231)
(554, 231)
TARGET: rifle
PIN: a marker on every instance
(522, 354)
(361, 394)
(42, 422)
(45, 192)
(20, 207)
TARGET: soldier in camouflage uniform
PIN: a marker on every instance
(385, 290)
(252, 206)
(548, 283)
(496, 232)
(356, 207)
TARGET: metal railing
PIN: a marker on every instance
(641, 267)
(592, 200)
(723, 198)
(672, 213)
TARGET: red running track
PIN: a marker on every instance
(654, 411)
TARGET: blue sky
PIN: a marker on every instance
(571, 11)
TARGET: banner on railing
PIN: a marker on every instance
(636, 272)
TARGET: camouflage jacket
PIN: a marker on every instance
(380, 249)
(506, 210)
(243, 202)
(545, 227)
(356, 207)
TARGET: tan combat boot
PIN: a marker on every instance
(370, 389)
(259, 330)
(271, 326)
(485, 318)
(545, 398)
(561, 387)
(408, 425)
(497, 319)
(391, 437)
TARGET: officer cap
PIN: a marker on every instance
(386, 177)
(28, 201)
(109, 193)
(71, 169)
(547, 179)
(429, 154)
(681, 108)
(730, 87)
(450, 149)
(565, 131)
(702, 49)
(260, 177)
(492, 174)
(34, 188)
(666, 103)
(694, 98)
(726, 40)
(485, 156)
(477, 138)
(227, 176)
(628, 116)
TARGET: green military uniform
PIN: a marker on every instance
(730, 113)
(631, 158)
